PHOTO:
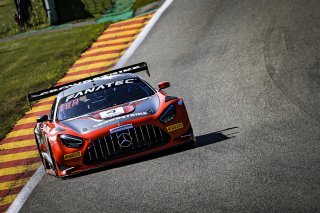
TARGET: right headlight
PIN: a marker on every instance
(71, 141)
(168, 114)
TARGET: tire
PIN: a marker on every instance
(40, 152)
(54, 168)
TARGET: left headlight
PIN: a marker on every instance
(71, 141)
(168, 114)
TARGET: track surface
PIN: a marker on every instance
(251, 67)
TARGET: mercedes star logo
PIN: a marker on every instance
(124, 140)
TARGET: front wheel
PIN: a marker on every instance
(40, 152)
(53, 167)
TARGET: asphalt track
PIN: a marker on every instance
(249, 74)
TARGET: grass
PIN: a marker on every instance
(9, 27)
(97, 7)
(68, 11)
(141, 3)
(72, 10)
(7, 23)
(38, 15)
(35, 63)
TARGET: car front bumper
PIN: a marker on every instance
(66, 171)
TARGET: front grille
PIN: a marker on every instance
(125, 142)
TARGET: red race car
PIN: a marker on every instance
(106, 119)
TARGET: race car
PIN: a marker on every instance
(106, 119)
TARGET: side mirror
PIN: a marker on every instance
(42, 118)
(163, 85)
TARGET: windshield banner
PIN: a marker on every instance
(55, 90)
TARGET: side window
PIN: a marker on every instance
(53, 108)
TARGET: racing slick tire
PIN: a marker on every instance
(54, 165)
(39, 150)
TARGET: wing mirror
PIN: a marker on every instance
(163, 85)
(42, 118)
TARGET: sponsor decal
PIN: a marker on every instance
(101, 87)
(121, 128)
(112, 112)
(175, 127)
(67, 86)
(68, 105)
(121, 117)
(72, 155)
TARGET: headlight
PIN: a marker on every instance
(71, 141)
(168, 114)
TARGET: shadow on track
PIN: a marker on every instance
(215, 137)
(202, 140)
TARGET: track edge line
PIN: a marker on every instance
(26, 191)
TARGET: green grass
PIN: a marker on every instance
(68, 11)
(7, 23)
(35, 63)
(97, 7)
(75, 10)
(9, 27)
(140, 3)
(38, 15)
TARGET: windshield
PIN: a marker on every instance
(91, 100)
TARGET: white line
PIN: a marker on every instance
(142, 35)
(26, 191)
(36, 178)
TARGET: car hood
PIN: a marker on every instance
(113, 115)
